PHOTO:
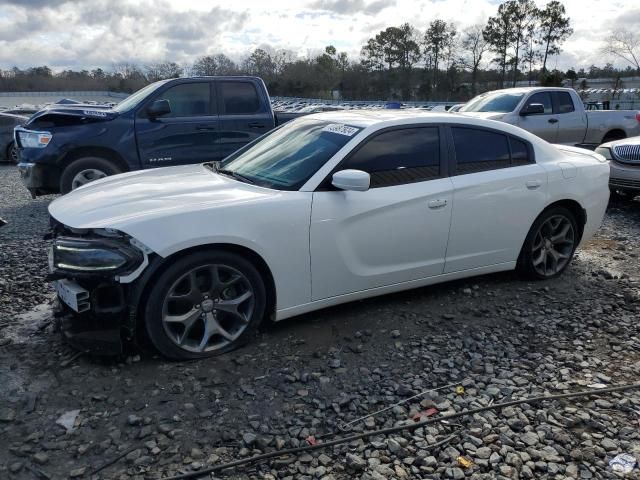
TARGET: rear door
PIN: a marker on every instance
(244, 114)
(572, 125)
(187, 134)
(499, 190)
(544, 125)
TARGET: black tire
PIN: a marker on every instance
(76, 167)
(526, 265)
(611, 136)
(159, 332)
(12, 153)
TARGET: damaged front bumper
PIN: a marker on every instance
(95, 274)
(102, 327)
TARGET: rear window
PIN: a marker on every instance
(482, 150)
(239, 98)
(564, 103)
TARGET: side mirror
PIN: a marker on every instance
(355, 180)
(159, 108)
(532, 109)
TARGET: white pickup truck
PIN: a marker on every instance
(555, 114)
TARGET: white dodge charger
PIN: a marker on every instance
(326, 209)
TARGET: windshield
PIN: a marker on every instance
(133, 100)
(494, 102)
(288, 156)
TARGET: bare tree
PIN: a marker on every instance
(624, 44)
(475, 47)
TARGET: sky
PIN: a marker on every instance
(100, 33)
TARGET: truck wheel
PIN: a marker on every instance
(205, 304)
(85, 170)
(12, 153)
(611, 136)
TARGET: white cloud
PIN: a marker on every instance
(89, 33)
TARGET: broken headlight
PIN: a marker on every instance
(30, 139)
(93, 255)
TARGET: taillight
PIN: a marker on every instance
(638, 116)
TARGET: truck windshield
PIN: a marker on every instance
(494, 102)
(134, 99)
(287, 157)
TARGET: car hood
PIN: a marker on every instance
(484, 115)
(126, 200)
(94, 113)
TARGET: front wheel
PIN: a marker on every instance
(204, 304)
(85, 170)
(550, 244)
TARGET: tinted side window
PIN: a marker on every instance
(545, 99)
(239, 98)
(519, 152)
(564, 103)
(188, 100)
(399, 156)
(479, 150)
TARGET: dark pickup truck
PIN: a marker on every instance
(171, 122)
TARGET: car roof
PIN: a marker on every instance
(388, 118)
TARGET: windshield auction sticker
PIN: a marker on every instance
(341, 129)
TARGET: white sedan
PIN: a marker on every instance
(326, 209)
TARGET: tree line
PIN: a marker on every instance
(400, 62)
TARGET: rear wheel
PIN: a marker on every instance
(205, 304)
(615, 135)
(85, 170)
(550, 244)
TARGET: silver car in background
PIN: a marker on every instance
(624, 159)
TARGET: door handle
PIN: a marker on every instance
(208, 128)
(434, 204)
(553, 120)
(533, 184)
(256, 125)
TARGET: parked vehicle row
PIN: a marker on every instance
(198, 256)
(8, 150)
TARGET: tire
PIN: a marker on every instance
(12, 153)
(611, 136)
(185, 323)
(542, 257)
(85, 170)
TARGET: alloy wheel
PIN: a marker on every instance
(85, 176)
(553, 245)
(208, 308)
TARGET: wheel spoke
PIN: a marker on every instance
(542, 257)
(193, 295)
(231, 306)
(562, 234)
(185, 319)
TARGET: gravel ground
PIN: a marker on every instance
(498, 337)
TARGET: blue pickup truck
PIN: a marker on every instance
(171, 122)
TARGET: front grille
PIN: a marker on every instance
(627, 153)
(624, 182)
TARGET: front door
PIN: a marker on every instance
(185, 135)
(544, 125)
(499, 190)
(397, 230)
